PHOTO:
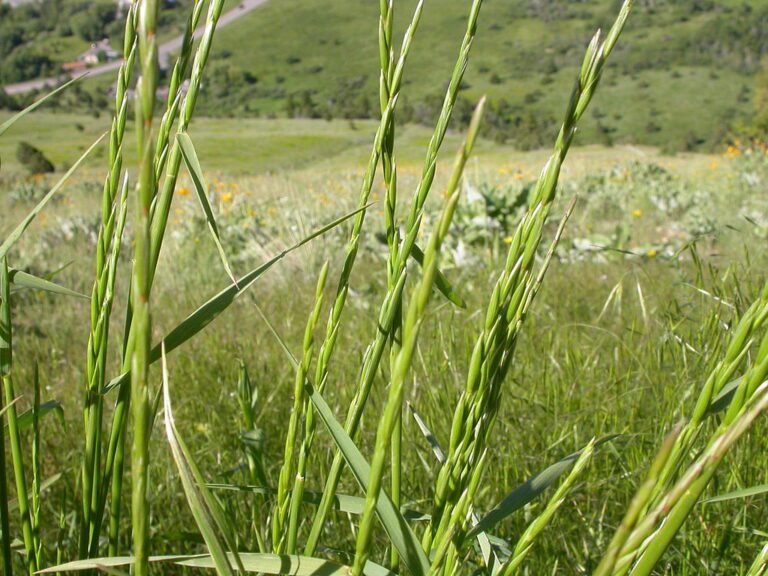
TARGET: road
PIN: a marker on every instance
(165, 51)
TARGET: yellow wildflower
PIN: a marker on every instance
(508, 239)
(227, 197)
(732, 152)
(651, 253)
(637, 213)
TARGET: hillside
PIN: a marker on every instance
(684, 75)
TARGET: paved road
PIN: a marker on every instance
(165, 51)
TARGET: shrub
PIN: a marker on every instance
(33, 159)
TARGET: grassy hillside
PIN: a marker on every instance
(684, 75)
(681, 77)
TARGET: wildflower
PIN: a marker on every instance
(651, 253)
(227, 197)
(182, 191)
(637, 213)
(508, 239)
(713, 165)
(732, 152)
(519, 176)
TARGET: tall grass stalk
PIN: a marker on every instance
(333, 323)
(108, 245)
(411, 328)
(392, 299)
(514, 290)
(157, 220)
(285, 517)
(14, 433)
(389, 171)
(140, 291)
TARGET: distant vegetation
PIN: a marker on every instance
(681, 57)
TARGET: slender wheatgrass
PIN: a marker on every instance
(654, 533)
(493, 352)
(334, 319)
(389, 170)
(140, 291)
(175, 85)
(160, 205)
(284, 535)
(391, 303)
(14, 433)
(411, 328)
(101, 302)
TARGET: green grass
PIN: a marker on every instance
(513, 46)
(257, 146)
(509, 358)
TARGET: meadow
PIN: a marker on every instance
(553, 362)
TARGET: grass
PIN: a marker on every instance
(513, 49)
(503, 370)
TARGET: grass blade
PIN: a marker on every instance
(738, 494)
(189, 154)
(400, 534)
(23, 279)
(16, 117)
(286, 564)
(111, 562)
(202, 504)
(209, 311)
(524, 494)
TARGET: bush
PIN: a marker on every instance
(33, 159)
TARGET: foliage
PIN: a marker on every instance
(32, 159)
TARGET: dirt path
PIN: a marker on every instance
(165, 51)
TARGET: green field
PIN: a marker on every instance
(355, 347)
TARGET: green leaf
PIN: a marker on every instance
(25, 419)
(205, 509)
(23, 279)
(196, 172)
(738, 494)
(24, 224)
(285, 564)
(113, 562)
(527, 492)
(341, 502)
(398, 530)
(13, 119)
(209, 311)
(441, 282)
(428, 435)
(724, 397)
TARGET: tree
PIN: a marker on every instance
(33, 159)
